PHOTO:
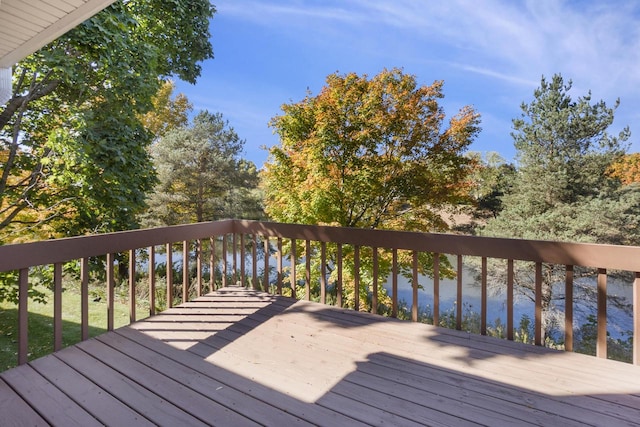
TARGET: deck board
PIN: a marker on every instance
(240, 357)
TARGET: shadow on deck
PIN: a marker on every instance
(239, 357)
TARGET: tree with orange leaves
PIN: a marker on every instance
(626, 169)
(369, 153)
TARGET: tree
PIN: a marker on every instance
(168, 113)
(71, 136)
(202, 177)
(490, 180)
(73, 151)
(370, 153)
(626, 169)
(562, 190)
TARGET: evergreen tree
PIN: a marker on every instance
(202, 176)
(563, 189)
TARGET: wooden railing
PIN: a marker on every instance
(221, 250)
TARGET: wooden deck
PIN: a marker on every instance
(238, 357)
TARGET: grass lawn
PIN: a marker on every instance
(41, 324)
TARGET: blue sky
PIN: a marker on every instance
(491, 54)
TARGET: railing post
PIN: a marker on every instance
(601, 346)
(23, 316)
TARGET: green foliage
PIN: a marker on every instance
(202, 177)
(369, 153)
(490, 180)
(617, 348)
(562, 189)
(561, 186)
(73, 150)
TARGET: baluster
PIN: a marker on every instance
(57, 306)
(132, 285)
(254, 262)
(198, 250)
(436, 289)
(279, 284)
(292, 276)
(601, 346)
(356, 277)
(265, 279)
(323, 273)
(414, 286)
(483, 302)
(23, 316)
(394, 283)
(185, 272)
(339, 275)
(224, 261)
(110, 287)
(212, 264)
(84, 297)
(169, 275)
(307, 271)
(152, 281)
(568, 308)
(374, 296)
(243, 273)
(636, 320)
(510, 300)
(459, 293)
(538, 301)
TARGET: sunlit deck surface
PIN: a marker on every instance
(238, 357)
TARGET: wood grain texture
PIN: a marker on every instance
(242, 357)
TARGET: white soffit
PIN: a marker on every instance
(27, 25)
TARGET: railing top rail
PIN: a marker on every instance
(562, 253)
(14, 257)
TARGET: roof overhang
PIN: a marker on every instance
(28, 25)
